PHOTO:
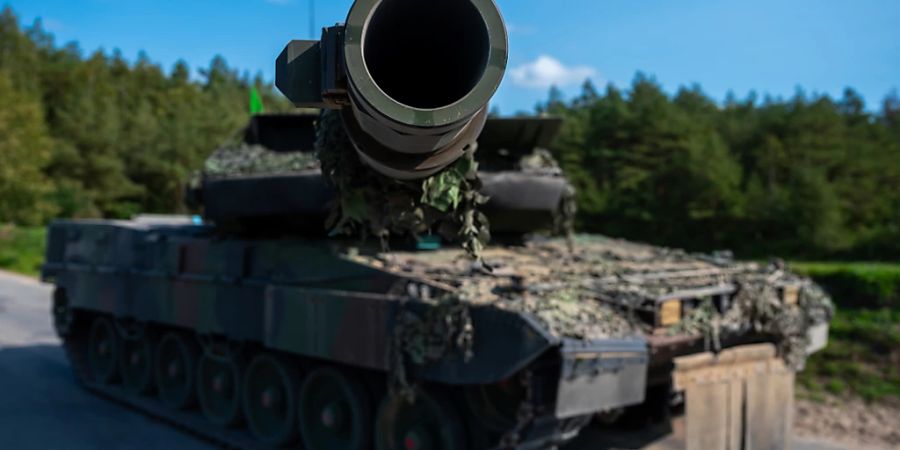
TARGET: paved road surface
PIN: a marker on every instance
(41, 407)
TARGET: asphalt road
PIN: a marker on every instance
(42, 407)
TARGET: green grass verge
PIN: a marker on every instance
(862, 357)
(863, 353)
(22, 249)
(857, 285)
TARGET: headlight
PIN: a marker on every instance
(669, 312)
(790, 295)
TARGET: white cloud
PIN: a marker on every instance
(547, 71)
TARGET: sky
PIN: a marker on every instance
(772, 47)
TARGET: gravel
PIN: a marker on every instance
(851, 421)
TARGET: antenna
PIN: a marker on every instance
(312, 19)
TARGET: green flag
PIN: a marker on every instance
(256, 104)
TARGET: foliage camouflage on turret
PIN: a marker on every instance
(244, 159)
(369, 203)
(541, 161)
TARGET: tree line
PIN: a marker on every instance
(808, 176)
(93, 135)
(97, 136)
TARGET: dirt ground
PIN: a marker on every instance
(849, 421)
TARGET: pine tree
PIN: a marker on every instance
(25, 151)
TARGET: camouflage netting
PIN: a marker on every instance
(758, 303)
(564, 221)
(541, 161)
(244, 159)
(596, 289)
(372, 204)
(444, 329)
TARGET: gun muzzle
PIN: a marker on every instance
(413, 79)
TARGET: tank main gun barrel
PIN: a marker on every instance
(411, 78)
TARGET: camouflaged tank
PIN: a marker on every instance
(340, 292)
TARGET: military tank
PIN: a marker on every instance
(263, 324)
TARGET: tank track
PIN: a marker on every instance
(189, 421)
(193, 422)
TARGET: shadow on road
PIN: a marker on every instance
(42, 406)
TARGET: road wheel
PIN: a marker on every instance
(431, 422)
(219, 388)
(102, 351)
(334, 411)
(270, 400)
(176, 362)
(136, 363)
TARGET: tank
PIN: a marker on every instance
(262, 325)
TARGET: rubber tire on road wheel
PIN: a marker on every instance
(270, 400)
(176, 370)
(431, 422)
(335, 411)
(102, 351)
(219, 389)
(136, 363)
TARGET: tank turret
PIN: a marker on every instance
(270, 182)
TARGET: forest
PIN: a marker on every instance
(810, 176)
(96, 135)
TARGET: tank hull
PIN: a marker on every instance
(312, 304)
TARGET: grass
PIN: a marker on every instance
(22, 249)
(857, 285)
(863, 353)
(864, 268)
(862, 357)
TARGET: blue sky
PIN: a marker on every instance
(769, 46)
